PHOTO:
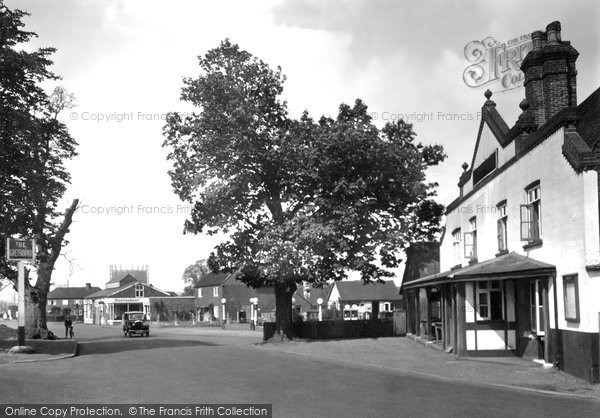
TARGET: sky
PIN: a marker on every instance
(125, 60)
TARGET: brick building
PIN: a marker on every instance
(67, 300)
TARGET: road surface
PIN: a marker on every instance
(213, 366)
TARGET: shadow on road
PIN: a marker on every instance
(117, 346)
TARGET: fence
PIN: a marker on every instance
(340, 329)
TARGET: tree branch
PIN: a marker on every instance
(62, 231)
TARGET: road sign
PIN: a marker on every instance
(20, 249)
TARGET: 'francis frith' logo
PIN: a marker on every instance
(497, 63)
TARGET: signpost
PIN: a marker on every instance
(20, 250)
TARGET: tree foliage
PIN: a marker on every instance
(34, 146)
(302, 200)
(192, 275)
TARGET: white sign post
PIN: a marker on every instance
(20, 250)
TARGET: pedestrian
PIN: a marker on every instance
(68, 326)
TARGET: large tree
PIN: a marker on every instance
(34, 146)
(302, 200)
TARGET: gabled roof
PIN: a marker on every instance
(72, 292)
(508, 266)
(357, 290)
(114, 290)
(315, 293)
(491, 117)
(213, 279)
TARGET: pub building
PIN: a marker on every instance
(522, 277)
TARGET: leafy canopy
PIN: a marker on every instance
(34, 145)
(301, 199)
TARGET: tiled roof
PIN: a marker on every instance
(589, 124)
(213, 279)
(508, 266)
(357, 291)
(113, 290)
(72, 292)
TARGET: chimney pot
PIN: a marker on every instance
(536, 38)
(465, 166)
(553, 31)
(544, 39)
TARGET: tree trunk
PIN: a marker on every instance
(36, 300)
(36, 297)
(284, 290)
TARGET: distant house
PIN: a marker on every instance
(209, 293)
(126, 294)
(67, 300)
(363, 301)
(213, 288)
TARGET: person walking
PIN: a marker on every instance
(68, 326)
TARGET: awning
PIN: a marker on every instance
(508, 266)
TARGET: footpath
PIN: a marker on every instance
(403, 354)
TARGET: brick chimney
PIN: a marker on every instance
(550, 74)
(88, 285)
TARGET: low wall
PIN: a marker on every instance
(44, 346)
(244, 326)
(331, 330)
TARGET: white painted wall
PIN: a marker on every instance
(570, 228)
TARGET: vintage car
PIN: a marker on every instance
(135, 322)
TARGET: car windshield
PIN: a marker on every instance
(135, 316)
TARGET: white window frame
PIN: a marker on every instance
(502, 229)
(536, 304)
(531, 214)
(487, 291)
(139, 290)
(199, 292)
(216, 291)
(571, 297)
(456, 245)
(470, 239)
